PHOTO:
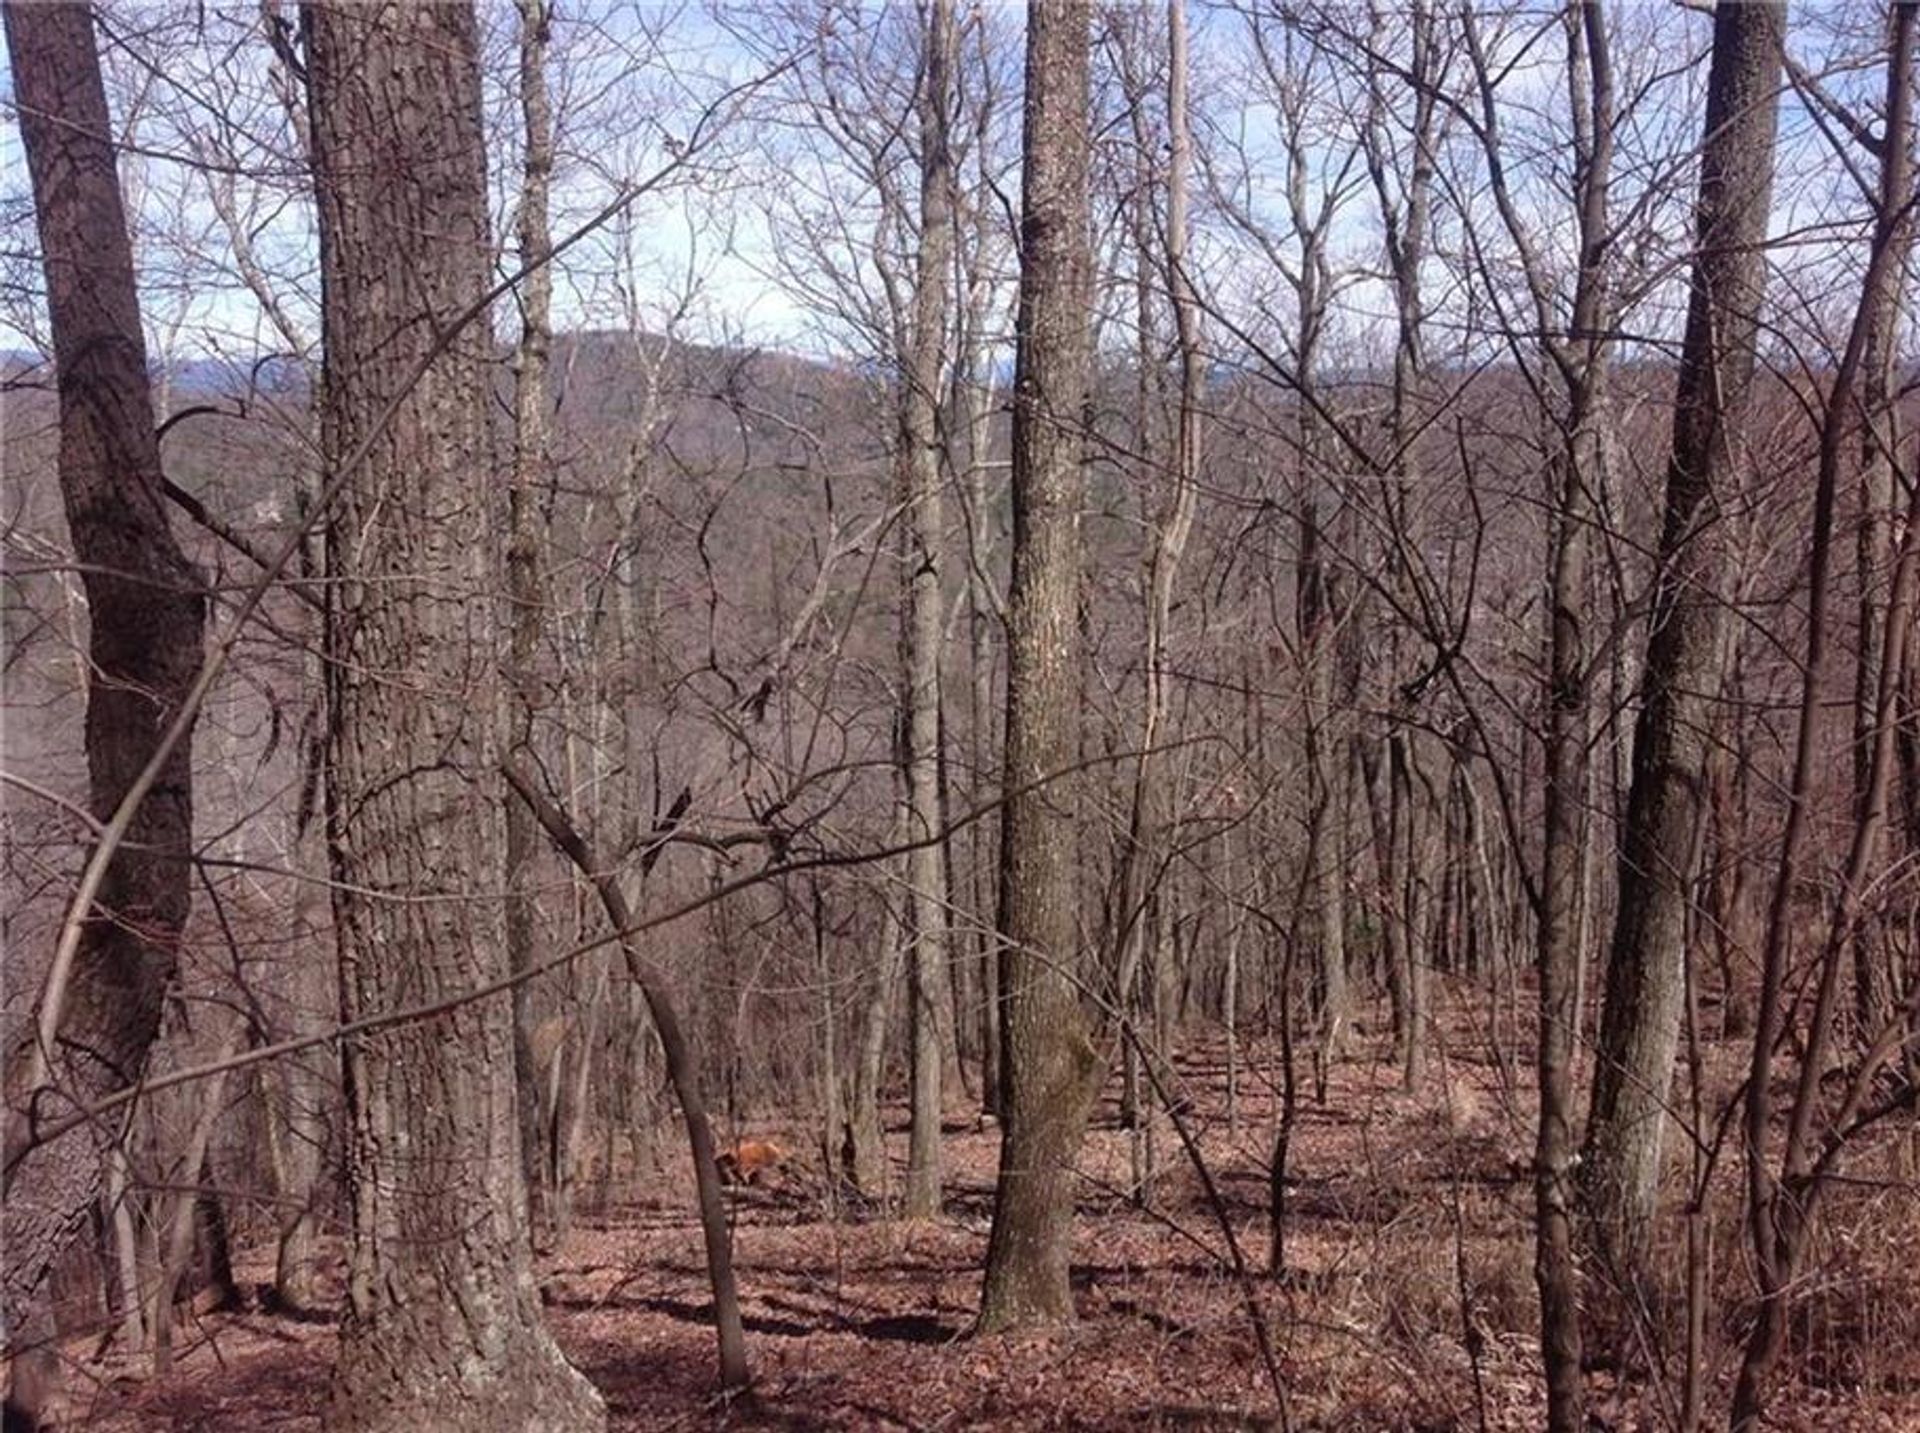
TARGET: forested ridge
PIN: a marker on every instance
(825, 715)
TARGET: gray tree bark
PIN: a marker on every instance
(1051, 1068)
(1582, 360)
(442, 1326)
(1880, 439)
(146, 612)
(1639, 1028)
(526, 590)
(865, 1145)
(1782, 1205)
(929, 983)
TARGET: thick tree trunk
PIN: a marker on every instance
(1639, 1029)
(442, 1326)
(1052, 1069)
(94, 1028)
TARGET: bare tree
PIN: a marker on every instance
(682, 1069)
(1876, 527)
(1582, 360)
(1639, 1027)
(1051, 1068)
(100, 1010)
(526, 588)
(922, 473)
(442, 1325)
(1781, 1204)
(1576, 349)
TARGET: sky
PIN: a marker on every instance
(727, 248)
(637, 78)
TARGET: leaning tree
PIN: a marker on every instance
(100, 1008)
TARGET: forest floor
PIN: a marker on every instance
(1408, 1301)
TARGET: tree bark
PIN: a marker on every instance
(865, 1145)
(172, 1212)
(1404, 188)
(1639, 1029)
(1563, 866)
(1781, 1207)
(1317, 604)
(1406, 831)
(921, 477)
(682, 1069)
(974, 389)
(1874, 983)
(1051, 1067)
(146, 611)
(299, 1094)
(1583, 362)
(442, 1326)
(526, 588)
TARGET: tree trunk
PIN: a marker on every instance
(1326, 756)
(299, 1094)
(1404, 190)
(1404, 831)
(682, 1070)
(865, 1145)
(1168, 517)
(526, 591)
(921, 476)
(1781, 1207)
(1052, 1069)
(442, 1326)
(97, 1019)
(1583, 363)
(172, 1212)
(833, 1091)
(573, 1091)
(1557, 951)
(1318, 628)
(118, 1197)
(1880, 439)
(1639, 1028)
(984, 621)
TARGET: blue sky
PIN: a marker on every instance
(616, 128)
(705, 254)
